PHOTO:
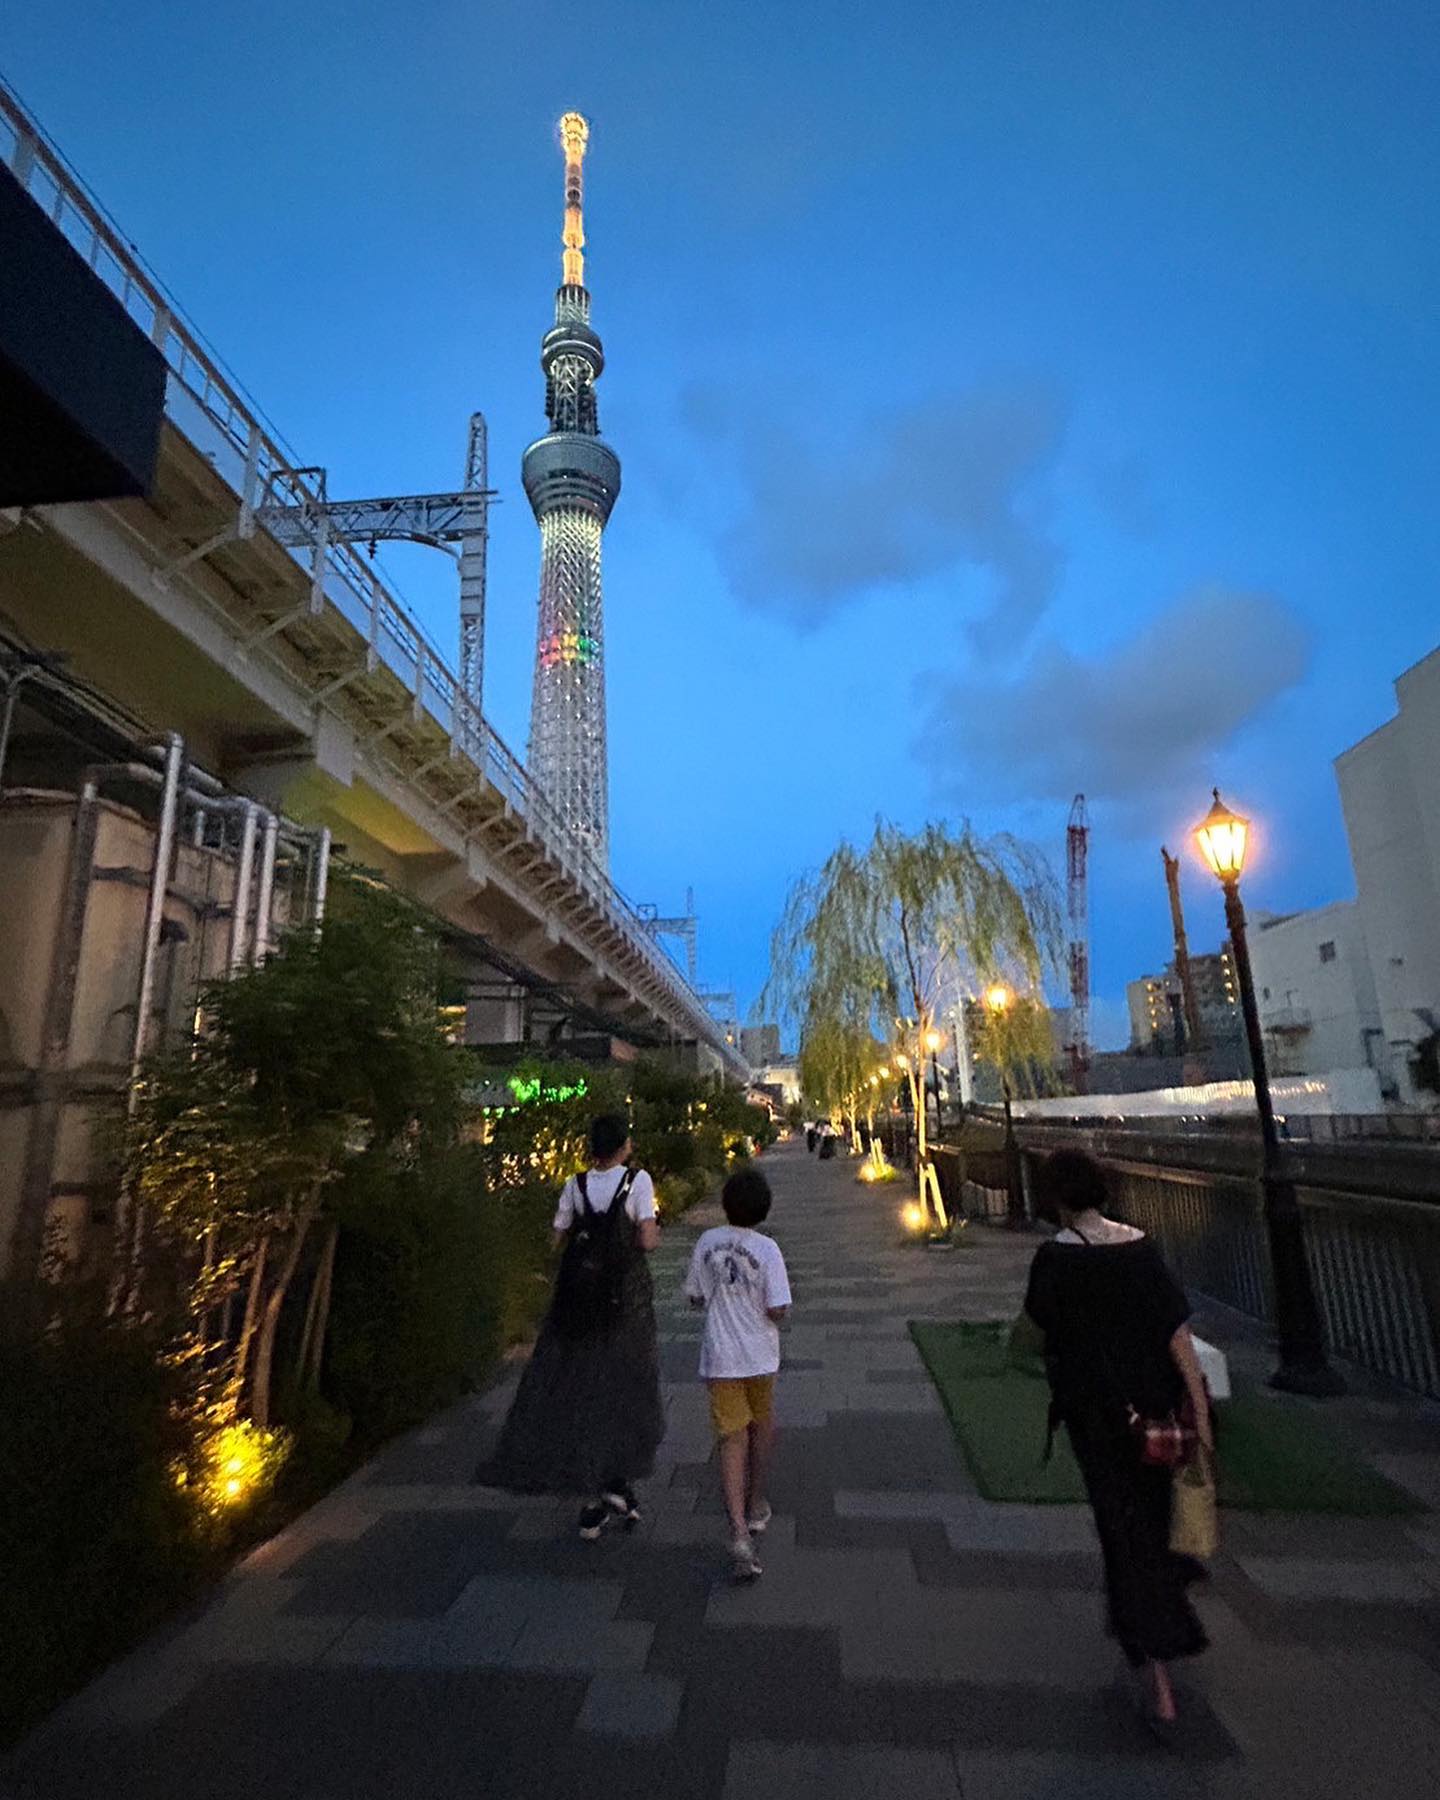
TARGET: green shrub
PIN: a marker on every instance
(418, 1308)
(97, 1542)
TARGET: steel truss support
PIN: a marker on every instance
(436, 520)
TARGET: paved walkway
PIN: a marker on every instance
(417, 1636)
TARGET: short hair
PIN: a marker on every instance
(1071, 1179)
(608, 1135)
(746, 1198)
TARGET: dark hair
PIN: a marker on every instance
(746, 1198)
(608, 1135)
(1072, 1180)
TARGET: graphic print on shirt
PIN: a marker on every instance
(740, 1275)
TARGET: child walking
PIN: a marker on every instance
(738, 1275)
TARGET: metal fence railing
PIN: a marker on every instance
(1371, 1227)
(1374, 1257)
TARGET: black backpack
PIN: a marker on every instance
(589, 1287)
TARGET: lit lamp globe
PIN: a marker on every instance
(1223, 837)
(997, 997)
(933, 1040)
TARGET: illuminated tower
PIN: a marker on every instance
(571, 479)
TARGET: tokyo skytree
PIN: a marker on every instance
(571, 479)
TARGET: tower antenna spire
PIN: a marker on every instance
(572, 478)
(574, 136)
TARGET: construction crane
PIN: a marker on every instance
(1077, 895)
(1190, 1010)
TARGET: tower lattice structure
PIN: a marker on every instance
(572, 480)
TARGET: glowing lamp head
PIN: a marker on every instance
(913, 1216)
(574, 135)
(902, 1059)
(1223, 837)
(933, 1041)
(998, 998)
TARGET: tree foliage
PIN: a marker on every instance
(881, 940)
(316, 1071)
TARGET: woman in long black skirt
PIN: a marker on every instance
(1116, 1341)
(587, 1417)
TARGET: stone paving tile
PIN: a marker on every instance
(1307, 1536)
(1027, 1776)
(761, 1771)
(628, 1705)
(1295, 1578)
(423, 1635)
(975, 1524)
(1420, 1475)
(1046, 1639)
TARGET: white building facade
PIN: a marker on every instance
(1316, 993)
(1390, 795)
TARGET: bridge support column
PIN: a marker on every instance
(496, 1013)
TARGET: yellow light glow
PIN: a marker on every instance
(998, 997)
(867, 1172)
(1223, 837)
(574, 136)
(913, 1216)
(902, 1059)
(884, 1073)
(234, 1463)
(933, 1041)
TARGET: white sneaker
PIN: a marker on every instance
(759, 1520)
(743, 1557)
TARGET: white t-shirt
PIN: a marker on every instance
(739, 1274)
(602, 1186)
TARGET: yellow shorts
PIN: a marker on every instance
(735, 1405)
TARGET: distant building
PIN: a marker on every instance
(779, 1080)
(1157, 1020)
(1316, 993)
(1390, 795)
(1152, 1019)
(760, 1044)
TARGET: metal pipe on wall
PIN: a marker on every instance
(260, 945)
(240, 910)
(322, 875)
(155, 902)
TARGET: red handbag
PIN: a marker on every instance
(1165, 1443)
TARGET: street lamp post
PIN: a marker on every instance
(997, 1001)
(1223, 837)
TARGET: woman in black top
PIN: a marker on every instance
(1117, 1338)
(587, 1417)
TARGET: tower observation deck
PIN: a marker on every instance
(572, 479)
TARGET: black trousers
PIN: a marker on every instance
(1150, 1614)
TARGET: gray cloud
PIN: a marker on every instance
(1145, 721)
(920, 490)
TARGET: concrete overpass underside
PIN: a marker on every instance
(310, 691)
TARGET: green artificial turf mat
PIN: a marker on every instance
(1275, 1456)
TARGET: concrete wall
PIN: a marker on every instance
(1316, 993)
(1390, 795)
(69, 984)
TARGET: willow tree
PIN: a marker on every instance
(892, 934)
(839, 1061)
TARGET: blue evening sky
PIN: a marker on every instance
(1013, 399)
